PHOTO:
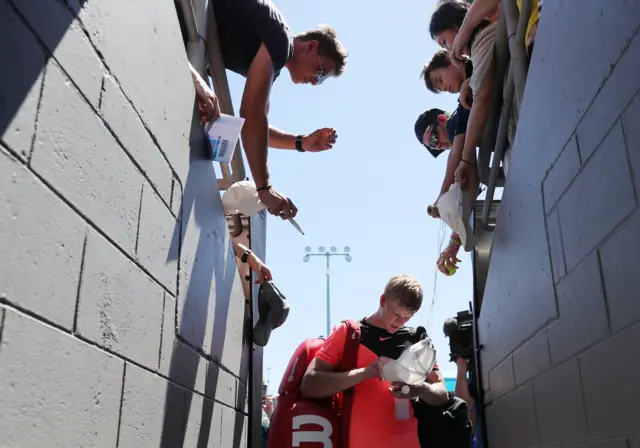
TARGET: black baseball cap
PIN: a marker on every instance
(428, 118)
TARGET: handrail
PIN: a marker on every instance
(198, 15)
(488, 142)
(516, 76)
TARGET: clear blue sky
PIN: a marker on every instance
(371, 190)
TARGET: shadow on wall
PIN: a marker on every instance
(202, 237)
(23, 58)
(23, 64)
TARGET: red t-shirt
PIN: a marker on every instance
(373, 415)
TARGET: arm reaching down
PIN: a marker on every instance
(455, 156)
(467, 171)
(255, 132)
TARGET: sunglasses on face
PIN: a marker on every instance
(320, 76)
(433, 137)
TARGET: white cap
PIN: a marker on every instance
(242, 197)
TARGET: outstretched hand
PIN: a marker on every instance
(207, 102)
(320, 140)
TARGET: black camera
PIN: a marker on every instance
(459, 330)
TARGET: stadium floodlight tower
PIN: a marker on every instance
(328, 253)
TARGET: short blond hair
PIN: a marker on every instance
(406, 289)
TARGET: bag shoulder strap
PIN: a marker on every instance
(349, 362)
(351, 345)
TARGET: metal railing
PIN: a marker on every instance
(200, 25)
(512, 64)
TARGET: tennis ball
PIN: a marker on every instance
(451, 269)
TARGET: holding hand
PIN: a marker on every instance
(207, 100)
(374, 370)
(320, 140)
(257, 266)
(277, 204)
(448, 258)
(466, 173)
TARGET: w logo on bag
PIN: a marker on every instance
(301, 436)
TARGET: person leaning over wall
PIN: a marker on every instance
(257, 43)
(444, 25)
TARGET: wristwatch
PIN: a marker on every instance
(245, 256)
(299, 144)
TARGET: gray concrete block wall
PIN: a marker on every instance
(122, 315)
(568, 236)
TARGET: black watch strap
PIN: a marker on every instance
(245, 256)
(299, 144)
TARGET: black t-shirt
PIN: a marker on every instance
(243, 25)
(389, 345)
(457, 122)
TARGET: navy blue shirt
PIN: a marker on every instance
(244, 25)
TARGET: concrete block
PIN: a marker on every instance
(120, 307)
(177, 361)
(168, 334)
(176, 199)
(614, 96)
(210, 316)
(511, 421)
(152, 411)
(532, 358)
(232, 350)
(165, 97)
(611, 410)
(583, 314)
(556, 248)
(553, 80)
(185, 366)
(561, 174)
(607, 443)
(20, 81)
(64, 38)
(620, 271)
(211, 424)
(124, 122)
(583, 219)
(194, 421)
(559, 404)
(221, 385)
(42, 241)
(234, 424)
(502, 378)
(56, 390)
(158, 240)
(78, 157)
(632, 137)
(242, 399)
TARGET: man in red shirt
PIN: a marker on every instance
(374, 422)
